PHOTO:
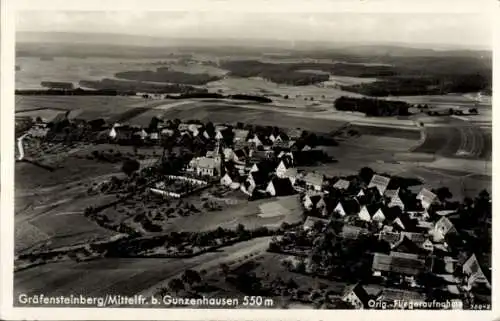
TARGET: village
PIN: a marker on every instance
(385, 237)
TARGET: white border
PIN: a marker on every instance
(7, 155)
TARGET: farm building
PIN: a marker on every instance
(281, 169)
(341, 184)
(353, 232)
(240, 135)
(404, 264)
(380, 182)
(356, 296)
(442, 228)
(426, 197)
(474, 273)
(310, 221)
(280, 187)
(313, 181)
(371, 212)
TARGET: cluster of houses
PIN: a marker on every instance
(416, 234)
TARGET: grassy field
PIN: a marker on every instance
(224, 113)
(251, 215)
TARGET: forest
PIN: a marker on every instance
(372, 107)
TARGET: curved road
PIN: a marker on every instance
(456, 138)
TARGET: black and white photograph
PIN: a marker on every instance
(204, 159)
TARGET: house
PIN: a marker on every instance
(426, 197)
(346, 207)
(403, 297)
(395, 240)
(356, 295)
(390, 193)
(380, 182)
(313, 181)
(291, 174)
(240, 155)
(306, 148)
(122, 133)
(404, 223)
(360, 193)
(228, 153)
(206, 166)
(226, 180)
(154, 136)
(353, 232)
(218, 135)
(442, 228)
(371, 212)
(260, 155)
(396, 201)
(281, 169)
(310, 200)
(240, 135)
(404, 264)
(474, 273)
(165, 132)
(341, 184)
(280, 187)
(311, 221)
(256, 140)
(405, 245)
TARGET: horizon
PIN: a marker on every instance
(423, 30)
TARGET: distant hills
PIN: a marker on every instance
(99, 44)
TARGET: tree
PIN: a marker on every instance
(443, 193)
(191, 277)
(176, 285)
(366, 174)
(130, 166)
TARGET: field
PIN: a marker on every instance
(252, 215)
(123, 276)
(225, 113)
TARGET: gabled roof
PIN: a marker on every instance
(390, 193)
(426, 197)
(352, 232)
(282, 186)
(445, 225)
(310, 220)
(204, 162)
(407, 264)
(392, 295)
(313, 179)
(405, 245)
(291, 172)
(380, 182)
(341, 184)
(359, 291)
(240, 134)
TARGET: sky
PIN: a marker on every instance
(449, 29)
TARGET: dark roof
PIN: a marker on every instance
(282, 186)
(408, 223)
(260, 178)
(359, 291)
(404, 263)
(405, 245)
(241, 153)
(391, 295)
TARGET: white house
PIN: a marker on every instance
(356, 295)
(364, 214)
(426, 197)
(396, 201)
(254, 168)
(339, 209)
(255, 139)
(380, 182)
(314, 181)
(226, 180)
(442, 228)
(281, 170)
(360, 193)
(218, 135)
(379, 216)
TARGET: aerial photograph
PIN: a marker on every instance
(315, 160)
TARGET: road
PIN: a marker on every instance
(456, 138)
(124, 276)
